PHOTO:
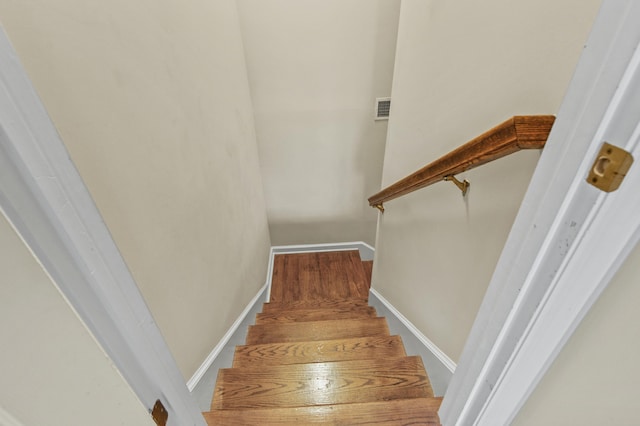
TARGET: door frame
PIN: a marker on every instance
(45, 200)
(568, 239)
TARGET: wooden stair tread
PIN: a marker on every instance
(298, 315)
(319, 275)
(314, 304)
(322, 383)
(401, 412)
(378, 347)
(317, 330)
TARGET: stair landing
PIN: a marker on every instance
(332, 275)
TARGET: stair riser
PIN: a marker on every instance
(313, 304)
(303, 315)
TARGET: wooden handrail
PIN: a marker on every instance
(518, 132)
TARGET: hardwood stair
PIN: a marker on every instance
(318, 354)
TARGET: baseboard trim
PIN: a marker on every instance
(431, 347)
(197, 376)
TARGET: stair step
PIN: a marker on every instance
(297, 315)
(320, 275)
(414, 411)
(313, 304)
(322, 383)
(318, 351)
(317, 330)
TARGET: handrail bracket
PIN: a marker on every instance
(463, 186)
(379, 207)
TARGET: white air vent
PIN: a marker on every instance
(382, 108)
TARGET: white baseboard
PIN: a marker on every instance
(432, 347)
(366, 251)
(193, 381)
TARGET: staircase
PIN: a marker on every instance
(318, 354)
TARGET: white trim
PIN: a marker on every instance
(432, 347)
(568, 238)
(197, 376)
(45, 200)
(269, 274)
(312, 248)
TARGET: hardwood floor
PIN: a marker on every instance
(318, 354)
(316, 276)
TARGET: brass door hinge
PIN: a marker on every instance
(159, 414)
(610, 168)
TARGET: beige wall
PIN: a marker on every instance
(53, 372)
(461, 68)
(315, 68)
(152, 100)
(594, 380)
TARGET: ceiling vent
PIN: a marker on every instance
(383, 106)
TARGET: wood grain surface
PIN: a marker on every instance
(403, 412)
(317, 330)
(314, 304)
(342, 382)
(318, 314)
(316, 276)
(368, 270)
(378, 347)
(518, 132)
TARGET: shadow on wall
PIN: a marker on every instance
(319, 232)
